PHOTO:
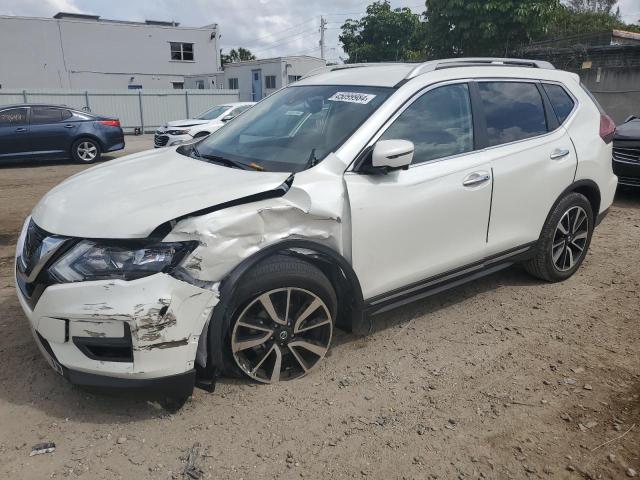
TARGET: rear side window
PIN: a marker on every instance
(40, 115)
(439, 124)
(13, 117)
(513, 111)
(561, 102)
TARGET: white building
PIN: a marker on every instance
(86, 51)
(257, 78)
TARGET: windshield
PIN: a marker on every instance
(295, 128)
(215, 112)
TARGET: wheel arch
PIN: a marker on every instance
(345, 282)
(90, 136)
(588, 188)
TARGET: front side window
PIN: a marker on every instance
(41, 115)
(233, 84)
(294, 128)
(13, 117)
(513, 111)
(439, 124)
(561, 102)
(215, 112)
(181, 51)
(270, 81)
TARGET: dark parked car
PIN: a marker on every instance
(32, 131)
(626, 152)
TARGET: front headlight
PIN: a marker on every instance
(89, 260)
(177, 132)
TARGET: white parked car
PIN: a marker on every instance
(358, 189)
(183, 131)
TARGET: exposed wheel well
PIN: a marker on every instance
(201, 134)
(590, 190)
(88, 137)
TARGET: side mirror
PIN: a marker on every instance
(392, 154)
(226, 118)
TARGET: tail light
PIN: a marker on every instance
(607, 128)
(110, 123)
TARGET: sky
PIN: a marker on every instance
(267, 27)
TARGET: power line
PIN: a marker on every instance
(280, 31)
(289, 39)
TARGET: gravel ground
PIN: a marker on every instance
(506, 377)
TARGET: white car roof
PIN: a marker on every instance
(391, 74)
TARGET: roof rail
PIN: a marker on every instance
(432, 65)
(345, 66)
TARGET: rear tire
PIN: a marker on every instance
(564, 240)
(85, 150)
(283, 314)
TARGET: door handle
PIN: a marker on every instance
(476, 178)
(21, 129)
(559, 153)
(69, 125)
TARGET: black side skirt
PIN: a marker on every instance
(453, 278)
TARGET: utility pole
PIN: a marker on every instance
(323, 27)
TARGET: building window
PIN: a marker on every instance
(270, 81)
(200, 84)
(293, 78)
(182, 52)
(178, 85)
(233, 84)
(134, 87)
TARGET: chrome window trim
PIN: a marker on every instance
(432, 86)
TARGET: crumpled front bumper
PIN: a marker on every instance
(160, 317)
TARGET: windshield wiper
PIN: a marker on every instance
(312, 160)
(227, 162)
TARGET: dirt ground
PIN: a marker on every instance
(506, 377)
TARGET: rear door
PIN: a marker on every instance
(14, 127)
(52, 130)
(532, 159)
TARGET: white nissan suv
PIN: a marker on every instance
(358, 189)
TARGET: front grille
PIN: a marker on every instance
(160, 140)
(627, 154)
(629, 181)
(32, 245)
(39, 249)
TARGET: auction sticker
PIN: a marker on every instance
(352, 97)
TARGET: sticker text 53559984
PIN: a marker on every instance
(352, 97)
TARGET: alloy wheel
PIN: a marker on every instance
(570, 239)
(281, 335)
(87, 151)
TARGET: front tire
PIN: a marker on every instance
(282, 321)
(85, 150)
(564, 240)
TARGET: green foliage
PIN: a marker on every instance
(485, 27)
(570, 21)
(453, 28)
(384, 34)
(239, 55)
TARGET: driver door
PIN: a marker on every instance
(414, 224)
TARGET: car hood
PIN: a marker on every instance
(629, 130)
(189, 122)
(131, 196)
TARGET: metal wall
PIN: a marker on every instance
(145, 109)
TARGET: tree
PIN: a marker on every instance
(484, 27)
(383, 34)
(239, 55)
(571, 21)
(602, 6)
